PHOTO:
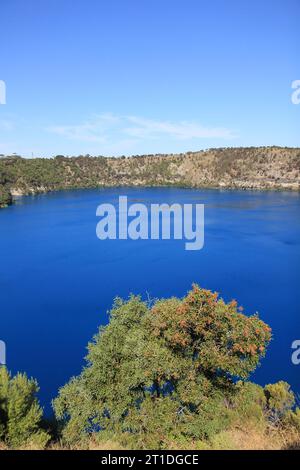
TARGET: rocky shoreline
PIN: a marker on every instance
(252, 168)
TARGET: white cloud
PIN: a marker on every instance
(112, 129)
(181, 130)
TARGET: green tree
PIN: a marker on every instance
(20, 413)
(280, 399)
(293, 418)
(5, 196)
(168, 370)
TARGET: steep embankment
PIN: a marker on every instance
(252, 168)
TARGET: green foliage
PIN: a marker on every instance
(223, 441)
(293, 418)
(165, 372)
(280, 399)
(250, 404)
(230, 167)
(170, 375)
(5, 196)
(20, 413)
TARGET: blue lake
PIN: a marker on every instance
(57, 279)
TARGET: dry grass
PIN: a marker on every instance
(253, 439)
(247, 438)
(107, 445)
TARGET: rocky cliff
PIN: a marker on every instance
(244, 168)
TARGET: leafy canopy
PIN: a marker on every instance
(167, 369)
(20, 413)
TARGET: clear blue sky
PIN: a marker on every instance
(146, 76)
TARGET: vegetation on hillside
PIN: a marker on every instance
(260, 168)
(5, 196)
(5, 184)
(20, 413)
(167, 375)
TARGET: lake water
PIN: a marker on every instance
(57, 279)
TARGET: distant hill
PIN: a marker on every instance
(245, 168)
